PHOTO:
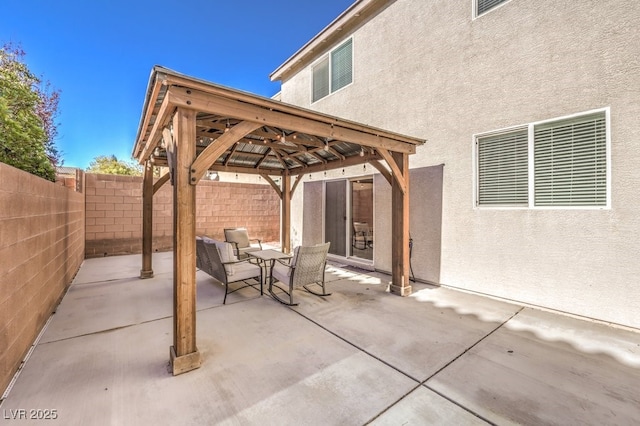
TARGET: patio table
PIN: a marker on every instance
(266, 258)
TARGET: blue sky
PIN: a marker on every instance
(100, 53)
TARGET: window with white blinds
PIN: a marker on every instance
(484, 5)
(570, 158)
(555, 163)
(333, 72)
(321, 79)
(341, 66)
(503, 176)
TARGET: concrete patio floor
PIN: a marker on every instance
(359, 356)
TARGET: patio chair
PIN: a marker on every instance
(216, 258)
(239, 237)
(305, 268)
(362, 235)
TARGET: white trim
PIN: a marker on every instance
(531, 169)
(530, 165)
(607, 117)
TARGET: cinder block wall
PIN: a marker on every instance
(114, 213)
(41, 249)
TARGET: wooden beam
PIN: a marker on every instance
(383, 171)
(217, 148)
(395, 169)
(233, 149)
(162, 119)
(208, 103)
(160, 182)
(238, 96)
(147, 221)
(184, 354)
(400, 283)
(249, 171)
(336, 164)
(270, 135)
(285, 228)
(264, 157)
(279, 157)
(145, 121)
(273, 184)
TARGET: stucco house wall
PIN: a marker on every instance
(429, 69)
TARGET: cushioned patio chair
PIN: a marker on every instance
(239, 237)
(305, 268)
(362, 235)
(216, 258)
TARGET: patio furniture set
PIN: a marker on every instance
(240, 259)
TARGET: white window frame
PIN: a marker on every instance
(474, 6)
(531, 165)
(328, 57)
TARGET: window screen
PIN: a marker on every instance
(341, 66)
(503, 169)
(484, 5)
(321, 80)
(571, 162)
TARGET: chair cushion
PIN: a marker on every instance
(281, 272)
(239, 236)
(226, 255)
(246, 270)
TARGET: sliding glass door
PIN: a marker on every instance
(335, 217)
(348, 217)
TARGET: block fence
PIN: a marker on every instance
(114, 213)
(47, 229)
(41, 250)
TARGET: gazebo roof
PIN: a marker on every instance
(194, 126)
(254, 134)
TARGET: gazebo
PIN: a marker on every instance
(193, 126)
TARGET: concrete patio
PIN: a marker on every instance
(360, 356)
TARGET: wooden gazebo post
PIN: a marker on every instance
(184, 353)
(286, 212)
(147, 221)
(400, 225)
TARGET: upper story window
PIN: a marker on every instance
(555, 163)
(482, 6)
(333, 72)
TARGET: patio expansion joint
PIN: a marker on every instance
(418, 382)
(424, 383)
(108, 330)
(413, 389)
(98, 282)
(357, 347)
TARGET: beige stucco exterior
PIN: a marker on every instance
(429, 69)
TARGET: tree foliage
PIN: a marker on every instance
(28, 109)
(110, 165)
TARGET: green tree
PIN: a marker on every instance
(110, 165)
(28, 108)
